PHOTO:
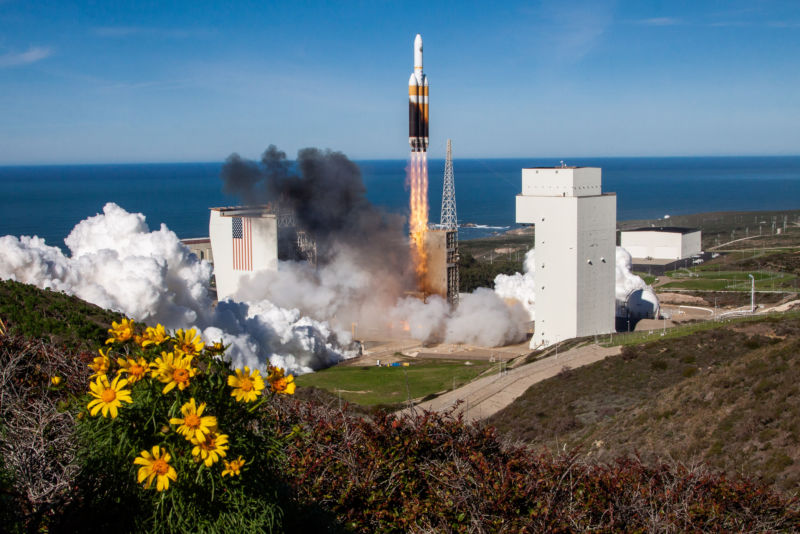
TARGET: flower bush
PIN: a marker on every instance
(164, 411)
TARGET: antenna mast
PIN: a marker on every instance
(448, 219)
(449, 223)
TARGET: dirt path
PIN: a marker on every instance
(486, 396)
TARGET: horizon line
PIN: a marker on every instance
(556, 158)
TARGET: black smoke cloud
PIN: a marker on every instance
(327, 194)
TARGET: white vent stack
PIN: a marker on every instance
(575, 251)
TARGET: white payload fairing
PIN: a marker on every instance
(418, 103)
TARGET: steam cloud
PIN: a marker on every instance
(364, 270)
(117, 263)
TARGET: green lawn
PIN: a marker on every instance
(710, 280)
(372, 385)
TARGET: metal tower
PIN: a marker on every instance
(449, 223)
(449, 220)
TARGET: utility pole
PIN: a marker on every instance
(752, 293)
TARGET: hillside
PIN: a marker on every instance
(52, 316)
(726, 396)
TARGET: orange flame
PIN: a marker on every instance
(418, 221)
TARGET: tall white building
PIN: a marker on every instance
(575, 251)
(244, 240)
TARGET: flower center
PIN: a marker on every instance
(280, 384)
(180, 375)
(160, 467)
(192, 421)
(108, 395)
(246, 384)
(137, 370)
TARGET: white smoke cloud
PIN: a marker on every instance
(117, 263)
(633, 295)
(520, 286)
(345, 291)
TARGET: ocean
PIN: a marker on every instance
(49, 200)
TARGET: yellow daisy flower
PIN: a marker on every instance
(246, 386)
(56, 380)
(154, 336)
(100, 364)
(120, 332)
(136, 369)
(211, 449)
(173, 370)
(234, 467)
(155, 466)
(108, 397)
(279, 382)
(194, 425)
(188, 342)
(216, 348)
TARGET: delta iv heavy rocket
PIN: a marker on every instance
(418, 103)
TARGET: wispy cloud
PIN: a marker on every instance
(32, 55)
(660, 21)
(167, 33)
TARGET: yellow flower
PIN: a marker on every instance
(154, 336)
(188, 342)
(120, 332)
(155, 466)
(246, 386)
(56, 380)
(216, 348)
(194, 424)
(100, 364)
(212, 449)
(136, 369)
(173, 370)
(234, 467)
(279, 382)
(108, 397)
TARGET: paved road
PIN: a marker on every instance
(486, 396)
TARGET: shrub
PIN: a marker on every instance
(434, 473)
(177, 439)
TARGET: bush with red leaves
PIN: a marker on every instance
(434, 473)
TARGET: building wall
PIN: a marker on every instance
(691, 245)
(661, 245)
(575, 240)
(200, 247)
(264, 247)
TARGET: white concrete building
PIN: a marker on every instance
(661, 243)
(575, 251)
(244, 240)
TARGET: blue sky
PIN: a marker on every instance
(84, 82)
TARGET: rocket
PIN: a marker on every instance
(418, 103)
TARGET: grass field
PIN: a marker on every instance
(372, 385)
(707, 279)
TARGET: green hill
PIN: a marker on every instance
(52, 316)
(728, 397)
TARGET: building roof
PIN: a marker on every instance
(665, 229)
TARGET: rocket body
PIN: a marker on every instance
(418, 103)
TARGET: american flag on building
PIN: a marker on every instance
(242, 235)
